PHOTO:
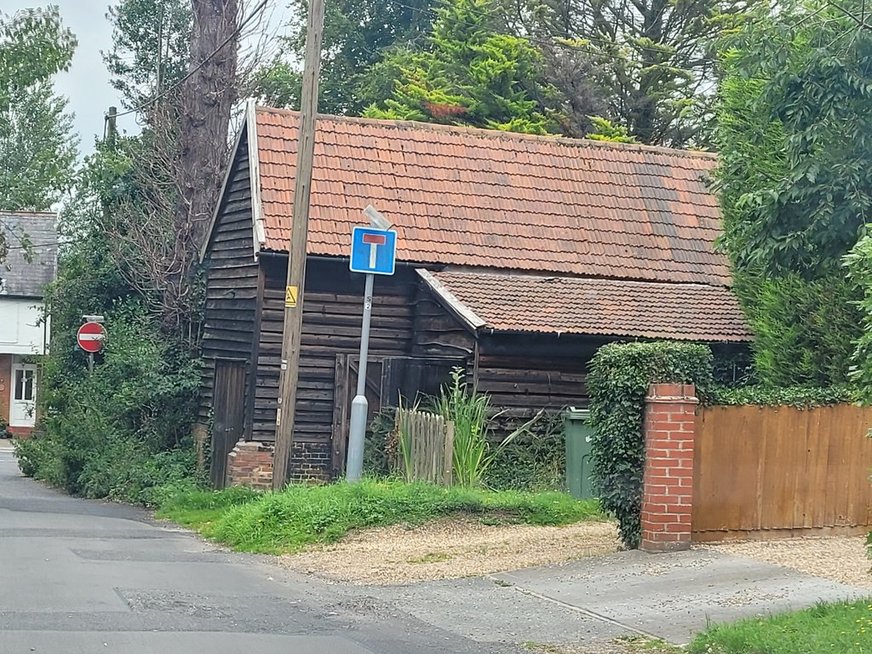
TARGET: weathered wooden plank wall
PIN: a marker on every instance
(232, 282)
(332, 313)
(437, 332)
(763, 472)
(529, 372)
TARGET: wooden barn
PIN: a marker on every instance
(518, 256)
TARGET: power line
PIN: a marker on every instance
(196, 68)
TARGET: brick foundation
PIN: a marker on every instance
(250, 463)
(667, 496)
(311, 461)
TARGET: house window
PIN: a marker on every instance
(24, 386)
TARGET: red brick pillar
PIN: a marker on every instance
(667, 494)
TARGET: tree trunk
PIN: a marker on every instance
(207, 98)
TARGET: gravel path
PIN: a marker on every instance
(843, 559)
(617, 646)
(449, 549)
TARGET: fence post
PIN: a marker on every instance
(667, 494)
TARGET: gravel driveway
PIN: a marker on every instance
(450, 549)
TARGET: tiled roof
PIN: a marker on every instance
(31, 262)
(573, 305)
(474, 197)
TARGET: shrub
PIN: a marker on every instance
(123, 429)
(804, 330)
(796, 396)
(535, 460)
(620, 375)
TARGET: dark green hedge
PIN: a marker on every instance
(619, 377)
(796, 396)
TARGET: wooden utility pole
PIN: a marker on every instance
(110, 127)
(293, 325)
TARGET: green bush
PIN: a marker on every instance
(123, 429)
(620, 375)
(804, 330)
(796, 396)
(300, 515)
(534, 461)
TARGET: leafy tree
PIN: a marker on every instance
(801, 91)
(795, 182)
(34, 46)
(357, 33)
(653, 58)
(474, 72)
(37, 148)
(150, 47)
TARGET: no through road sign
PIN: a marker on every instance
(91, 336)
(373, 251)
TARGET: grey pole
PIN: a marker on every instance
(359, 406)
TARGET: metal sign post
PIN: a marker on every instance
(373, 252)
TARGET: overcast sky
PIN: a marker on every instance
(86, 84)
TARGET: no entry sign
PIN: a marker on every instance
(91, 336)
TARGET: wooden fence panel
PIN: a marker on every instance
(425, 446)
(779, 471)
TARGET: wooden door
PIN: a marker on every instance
(228, 415)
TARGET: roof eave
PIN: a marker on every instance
(447, 299)
(213, 221)
(257, 225)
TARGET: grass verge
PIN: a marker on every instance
(300, 515)
(843, 627)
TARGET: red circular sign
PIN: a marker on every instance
(91, 336)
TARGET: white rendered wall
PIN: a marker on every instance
(21, 328)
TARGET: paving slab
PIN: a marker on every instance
(675, 596)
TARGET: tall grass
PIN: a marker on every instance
(843, 627)
(300, 515)
(469, 410)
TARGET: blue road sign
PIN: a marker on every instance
(373, 251)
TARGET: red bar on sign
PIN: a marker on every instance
(375, 239)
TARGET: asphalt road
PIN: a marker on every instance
(79, 577)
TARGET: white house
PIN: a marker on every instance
(30, 263)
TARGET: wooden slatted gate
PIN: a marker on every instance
(228, 415)
(763, 472)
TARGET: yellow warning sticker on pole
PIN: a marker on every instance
(291, 294)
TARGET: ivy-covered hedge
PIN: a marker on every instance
(618, 381)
